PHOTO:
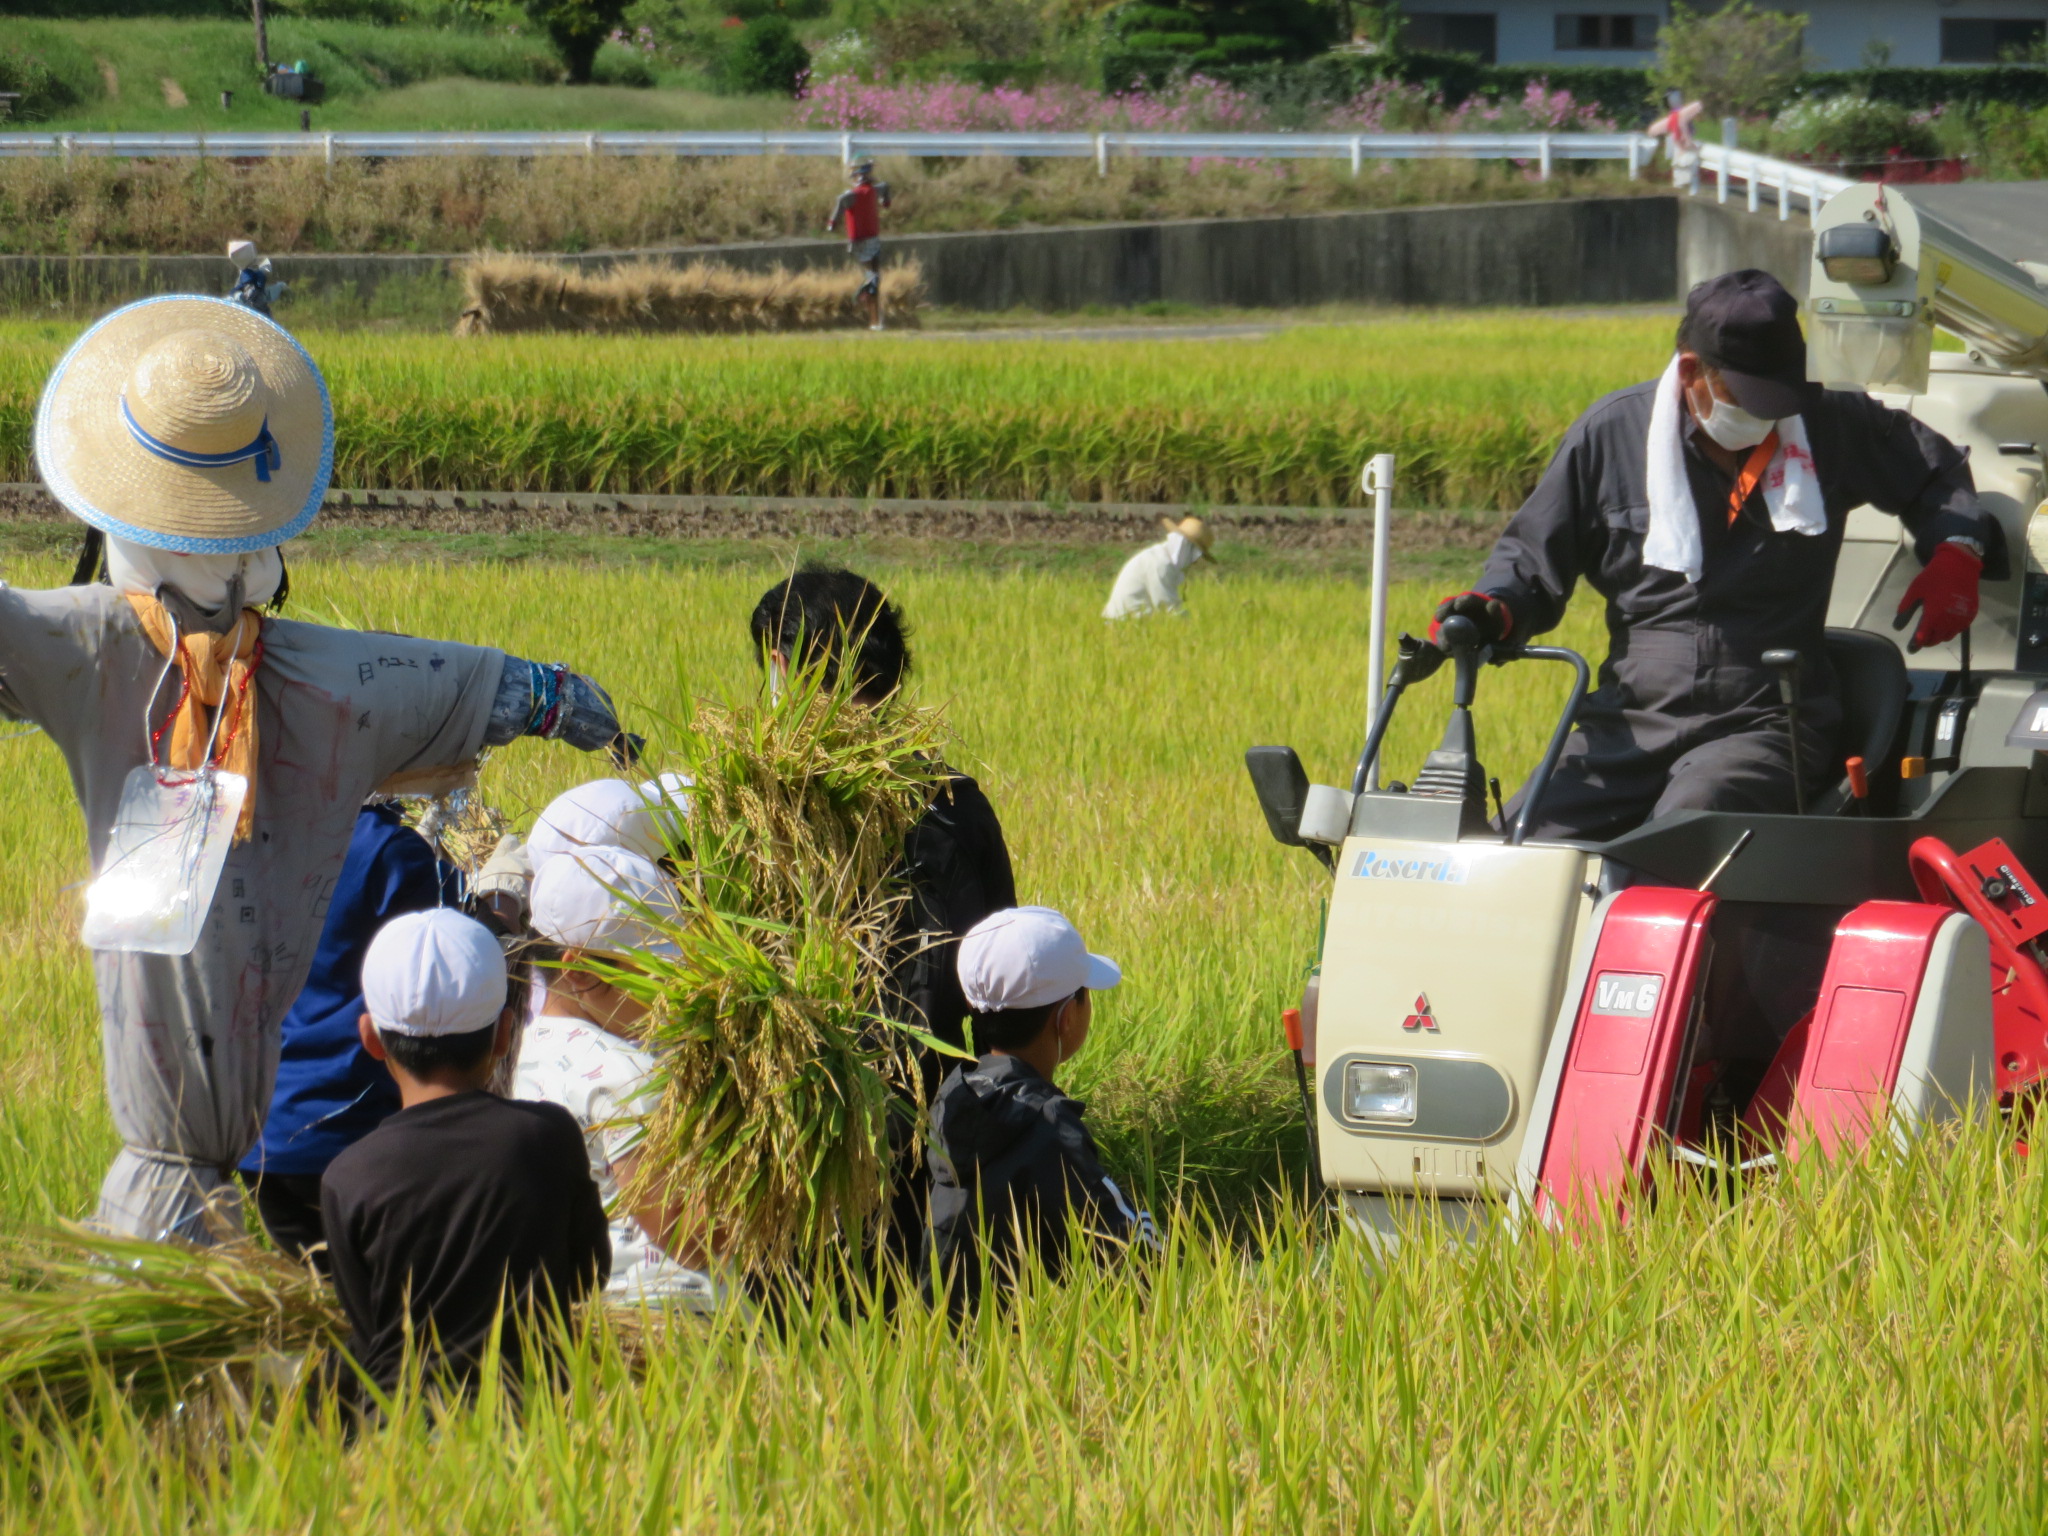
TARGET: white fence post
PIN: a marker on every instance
(846, 151)
(1357, 154)
(1102, 154)
(1752, 179)
(327, 148)
(1543, 158)
(1635, 167)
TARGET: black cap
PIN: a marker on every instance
(1746, 326)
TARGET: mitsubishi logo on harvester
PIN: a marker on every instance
(1421, 1018)
(1627, 994)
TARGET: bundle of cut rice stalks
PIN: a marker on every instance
(779, 1069)
(505, 294)
(162, 1321)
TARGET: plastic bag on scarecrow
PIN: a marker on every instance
(164, 859)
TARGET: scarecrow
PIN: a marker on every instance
(220, 753)
(1151, 579)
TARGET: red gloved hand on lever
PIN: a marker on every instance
(1945, 592)
(1490, 614)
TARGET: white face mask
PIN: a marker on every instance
(1732, 427)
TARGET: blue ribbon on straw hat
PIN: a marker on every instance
(263, 450)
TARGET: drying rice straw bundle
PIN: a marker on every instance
(778, 1070)
(160, 1320)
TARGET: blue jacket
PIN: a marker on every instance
(330, 1092)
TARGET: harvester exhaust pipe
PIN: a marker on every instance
(1786, 665)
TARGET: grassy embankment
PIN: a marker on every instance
(1849, 1350)
(165, 74)
(1472, 403)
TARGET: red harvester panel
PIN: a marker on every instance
(1627, 1043)
(2012, 918)
(1858, 1034)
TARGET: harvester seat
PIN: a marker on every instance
(1870, 678)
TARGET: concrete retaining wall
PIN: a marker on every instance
(1577, 251)
(1725, 237)
(1615, 250)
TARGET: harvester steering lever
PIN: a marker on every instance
(1418, 659)
(1786, 665)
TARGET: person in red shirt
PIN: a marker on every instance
(861, 205)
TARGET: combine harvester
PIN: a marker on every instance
(1499, 1024)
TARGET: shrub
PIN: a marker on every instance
(1215, 34)
(29, 76)
(1853, 131)
(767, 58)
(1738, 60)
(621, 63)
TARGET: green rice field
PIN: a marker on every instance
(1473, 404)
(1858, 1348)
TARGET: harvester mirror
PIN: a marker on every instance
(1281, 784)
(1325, 816)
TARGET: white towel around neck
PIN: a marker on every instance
(1791, 488)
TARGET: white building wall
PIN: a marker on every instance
(1837, 33)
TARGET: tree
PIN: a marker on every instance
(767, 57)
(1738, 60)
(577, 28)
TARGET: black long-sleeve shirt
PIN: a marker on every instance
(958, 869)
(1010, 1160)
(446, 1209)
(1758, 589)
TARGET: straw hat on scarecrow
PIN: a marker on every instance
(193, 457)
(1195, 531)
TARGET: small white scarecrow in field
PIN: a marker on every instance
(219, 753)
(1151, 579)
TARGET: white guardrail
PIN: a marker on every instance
(1759, 175)
(1543, 150)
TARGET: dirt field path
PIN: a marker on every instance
(739, 518)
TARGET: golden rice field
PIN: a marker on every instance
(1472, 403)
(1844, 1349)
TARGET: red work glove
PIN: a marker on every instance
(1489, 613)
(1945, 592)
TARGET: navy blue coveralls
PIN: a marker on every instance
(1685, 715)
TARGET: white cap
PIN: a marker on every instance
(1026, 957)
(668, 798)
(598, 898)
(605, 813)
(434, 973)
(242, 252)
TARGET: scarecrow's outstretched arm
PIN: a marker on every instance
(546, 699)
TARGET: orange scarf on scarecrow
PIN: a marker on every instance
(217, 671)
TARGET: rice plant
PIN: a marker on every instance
(778, 1071)
(505, 295)
(1472, 404)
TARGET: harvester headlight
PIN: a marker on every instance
(1379, 1092)
(1861, 255)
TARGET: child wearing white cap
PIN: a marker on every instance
(581, 1052)
(462, 1199)
(1011, 1160)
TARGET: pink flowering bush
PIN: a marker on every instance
(1195, 104)
(954, 106)
(1391, 107)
